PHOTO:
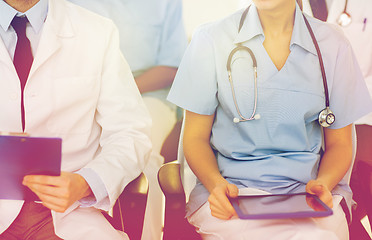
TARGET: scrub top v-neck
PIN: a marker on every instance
(278, 153)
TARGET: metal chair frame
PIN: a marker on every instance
(129, 209)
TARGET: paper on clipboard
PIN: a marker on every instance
(24, 155)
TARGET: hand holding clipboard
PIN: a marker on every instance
(21, 155)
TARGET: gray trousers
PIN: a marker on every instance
(34, 222)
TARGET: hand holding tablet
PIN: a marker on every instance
(275, 206)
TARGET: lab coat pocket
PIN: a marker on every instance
(74, 103)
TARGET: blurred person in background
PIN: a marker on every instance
(153, 40)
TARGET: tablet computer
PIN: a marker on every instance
(23, 155)
(275, 206)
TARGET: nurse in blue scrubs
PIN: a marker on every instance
(263, 135)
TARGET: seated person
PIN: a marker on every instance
(80, 89)
(153, 47)
(259, 129)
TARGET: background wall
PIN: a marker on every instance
(197, 12)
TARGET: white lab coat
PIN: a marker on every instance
(81, 89)
(358, 32)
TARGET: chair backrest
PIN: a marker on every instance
(188, 178)
(176, 227)
(347, 176)
(129, 209)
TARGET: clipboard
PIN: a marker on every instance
(23, 155)
(279, 206)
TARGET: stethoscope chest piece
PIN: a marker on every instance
(344, 19)
(326, 117)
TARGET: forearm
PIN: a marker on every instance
(337, 158)
(156, 78)
(201, 159)
(198, 151)
(334, 165)
(203, 163)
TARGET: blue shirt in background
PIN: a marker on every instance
(151, 32)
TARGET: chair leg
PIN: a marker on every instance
(357, 231)
(360, 184)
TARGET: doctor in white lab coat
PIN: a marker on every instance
(81, 89)
(359, 33)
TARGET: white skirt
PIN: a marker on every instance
(328, 228)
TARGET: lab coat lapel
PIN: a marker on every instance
(57, 27)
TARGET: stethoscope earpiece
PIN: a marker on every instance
(237, 120)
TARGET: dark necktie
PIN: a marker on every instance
(22, 57)
(319, 8)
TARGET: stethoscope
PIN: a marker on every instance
(344, 19)
(326, 117)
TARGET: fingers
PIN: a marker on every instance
(314, 204)
(232, 190)
(321, 191)
(220, 204)
(54, 203)
(44, 180)
(54, 198)
(58, 192)
(327, 199)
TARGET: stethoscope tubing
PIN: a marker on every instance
(325, 85)
(345, 8)
(324, 114)
(344, 19)
(228, 66)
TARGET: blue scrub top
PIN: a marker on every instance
(278, 153)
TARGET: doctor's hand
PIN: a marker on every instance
(58, 193)
(220, 204)
(319, 189)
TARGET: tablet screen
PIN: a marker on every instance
(280, 206)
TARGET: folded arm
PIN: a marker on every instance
(156, 78)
